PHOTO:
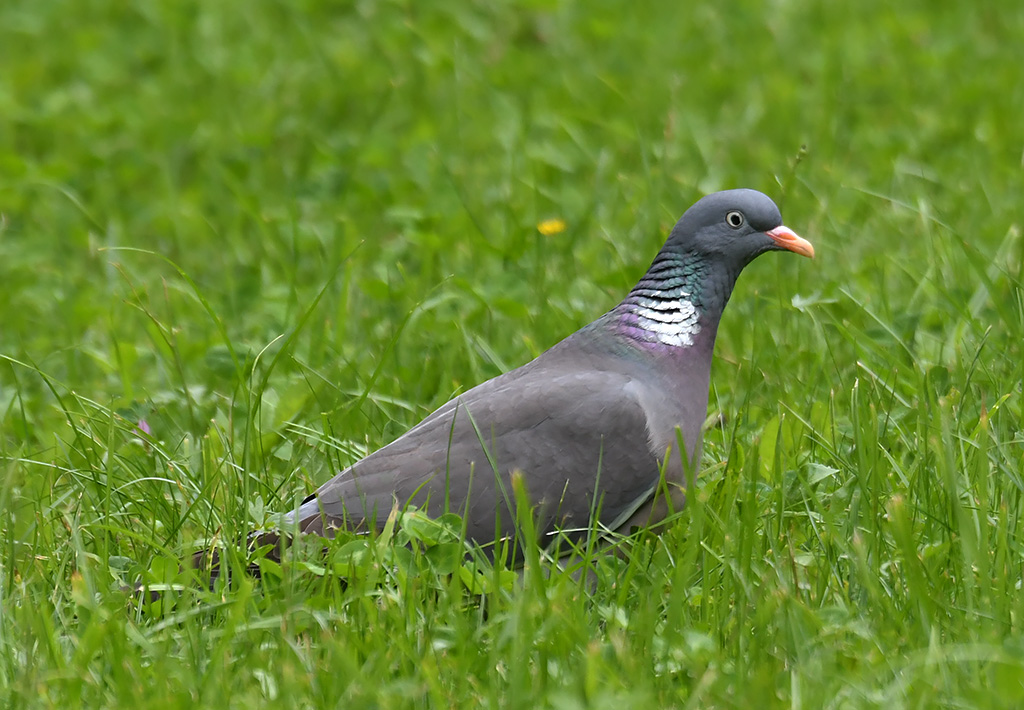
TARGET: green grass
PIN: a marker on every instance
(279, 233)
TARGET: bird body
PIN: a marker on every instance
(591, 424)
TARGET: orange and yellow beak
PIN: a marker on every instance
(786, 238)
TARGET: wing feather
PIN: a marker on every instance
(579, 439)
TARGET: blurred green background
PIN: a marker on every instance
(277, 234)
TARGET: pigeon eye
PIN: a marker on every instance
(735, 219)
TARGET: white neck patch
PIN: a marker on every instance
(671, 321)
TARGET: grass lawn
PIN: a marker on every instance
(243, 243)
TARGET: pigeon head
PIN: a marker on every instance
(680, 299)
(735, 226)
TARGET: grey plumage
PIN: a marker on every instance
(590, 421)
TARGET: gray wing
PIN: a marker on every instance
(580, 440)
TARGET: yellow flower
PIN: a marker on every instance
(551, 226)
